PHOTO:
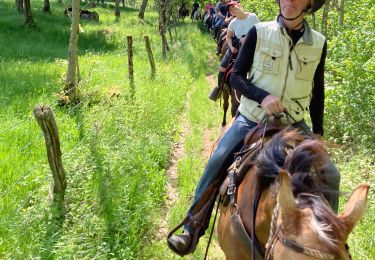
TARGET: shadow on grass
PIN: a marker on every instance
(54, 229)
(49, 38)
(104, 191)
(79, 120)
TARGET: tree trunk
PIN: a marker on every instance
(341, 21)
(27, 12)
(117, 8)
(19, 5)
(325, 18)
(164, 11)
(334, 4)
(46, 7)
(70, 83)
(123, 3)
(142, 10)
(313, 21)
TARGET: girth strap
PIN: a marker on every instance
(245, 238)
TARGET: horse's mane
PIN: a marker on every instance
(303, 158)
(298, 154)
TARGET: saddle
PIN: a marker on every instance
(246, 158)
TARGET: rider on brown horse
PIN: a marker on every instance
(237, 29)
(285, 60)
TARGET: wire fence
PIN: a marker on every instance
(37, 168)
(32, 181)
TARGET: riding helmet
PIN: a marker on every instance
(313, 7)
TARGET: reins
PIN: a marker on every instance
(213, 227)
(277, 234)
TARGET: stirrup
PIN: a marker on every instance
(193, 243)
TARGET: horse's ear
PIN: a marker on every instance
(285, 197)
(355, 207)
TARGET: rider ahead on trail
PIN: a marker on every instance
(237, 30)
(285, 60)
(195, 9)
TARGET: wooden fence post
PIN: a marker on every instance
(150, 55)
(130, 64)
(46, 121)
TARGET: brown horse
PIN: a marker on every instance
(234, 100)
(293, 219)
(228, 91)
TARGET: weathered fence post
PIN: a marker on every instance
(150, 55)
(130, 62)
(46, 121)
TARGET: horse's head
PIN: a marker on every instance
(306, 227)
(293, 216)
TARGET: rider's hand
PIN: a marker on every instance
(272, 105)
(318, 137)
(233, 50)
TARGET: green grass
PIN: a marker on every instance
(115, 147)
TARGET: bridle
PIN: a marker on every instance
(277, 234)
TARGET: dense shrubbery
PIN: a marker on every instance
(350, 66)
(351, 79)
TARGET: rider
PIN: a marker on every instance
(237, 30)
(285, 60)
(221, 14)
(195, 9)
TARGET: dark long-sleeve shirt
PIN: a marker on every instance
(244, 62)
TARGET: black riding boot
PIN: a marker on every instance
(216, 92)
(195, 223)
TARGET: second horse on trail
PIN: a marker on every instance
(183, 12)
(227, 92)
(85, 14)
(280, 210)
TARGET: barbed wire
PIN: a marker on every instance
(79, 83)
(29, 172)
(2, 162)
(20, 203)
(19, 180)
(29, 118)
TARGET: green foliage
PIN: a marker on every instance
(351, 80)
(115, 146)
(265, 12)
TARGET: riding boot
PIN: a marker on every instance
(180, 243)
(332, 176)
(216, 92)
(220, 78)
(195, 223)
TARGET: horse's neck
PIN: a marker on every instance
(267, 202)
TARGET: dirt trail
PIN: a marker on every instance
(172, 191)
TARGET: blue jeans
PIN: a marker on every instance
(232, 142)
(217, 26)
(223, 155)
